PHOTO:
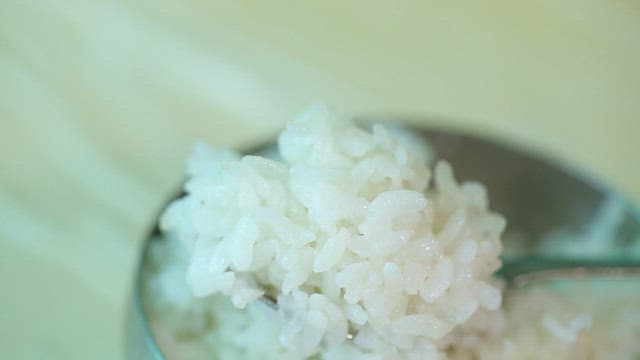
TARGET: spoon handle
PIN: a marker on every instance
(521, 272)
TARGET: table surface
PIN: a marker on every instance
(99, 104)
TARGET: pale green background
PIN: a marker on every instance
(99, 102)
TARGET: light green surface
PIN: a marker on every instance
(99, 103)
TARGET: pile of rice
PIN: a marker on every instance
(366, 253)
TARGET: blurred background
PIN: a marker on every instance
(101, 101)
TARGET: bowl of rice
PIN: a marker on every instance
(351, 242)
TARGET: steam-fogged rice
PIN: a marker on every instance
(561, 319)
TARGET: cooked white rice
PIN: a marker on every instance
(345, 232)
(352, 236)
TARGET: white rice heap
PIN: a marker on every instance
(349, 233)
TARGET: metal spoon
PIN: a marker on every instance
(535, 195)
